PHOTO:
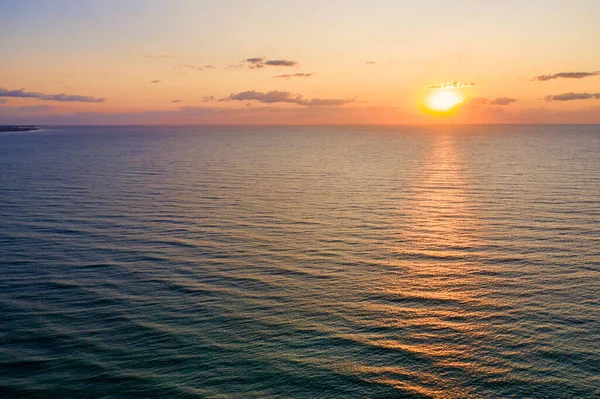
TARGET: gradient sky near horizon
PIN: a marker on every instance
(297, 62)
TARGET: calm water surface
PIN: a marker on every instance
(231, 262)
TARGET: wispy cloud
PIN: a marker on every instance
(208, 98)
(197, 67)
(502, 101)
(566, 75)
(326, 102)
(237, 66)
(371, 62)
(49, 97)
(176, 101)
(155, 81)
(167, 56)
(261, 62)
(285, 97)
(474, 101)
(572, 96)
(58, 82)
(194, 67)
(294, 75)
(457, 84)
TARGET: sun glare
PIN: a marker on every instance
(443, 101)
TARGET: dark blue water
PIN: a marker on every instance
(408, 262)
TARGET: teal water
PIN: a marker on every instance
(232, 262)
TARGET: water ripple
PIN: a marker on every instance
(417, 262)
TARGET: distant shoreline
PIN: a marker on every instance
(14, 128)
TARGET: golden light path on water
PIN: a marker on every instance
(440, 223)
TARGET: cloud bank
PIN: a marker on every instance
(209, 115)
(49, 97)
(285, 97)
(266, 114)
(566, 75)
(457, 84)
(572, 96)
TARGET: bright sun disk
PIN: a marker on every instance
(443, 101)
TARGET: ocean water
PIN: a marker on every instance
(300, 262)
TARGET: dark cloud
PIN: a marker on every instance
(502, 101)
(572, 96)
(285, 97)
(255, 62)
(566, 75)
(155, 81)
(261, 62)
(294, 75)
(208, 98)
(176, 101)
(48, 97)
(457, 84)
(286, 63)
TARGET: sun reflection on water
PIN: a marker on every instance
(439, 298)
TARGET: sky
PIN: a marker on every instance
(299, 62)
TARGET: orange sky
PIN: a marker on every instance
(309, 62)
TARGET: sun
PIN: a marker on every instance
(443, 101)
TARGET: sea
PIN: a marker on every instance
(449, 261)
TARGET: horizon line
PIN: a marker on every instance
(298, 125)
